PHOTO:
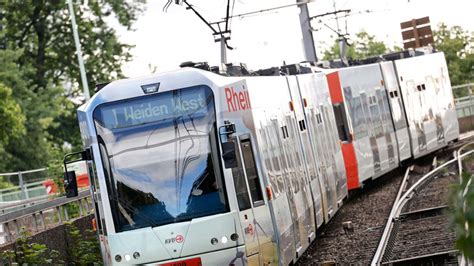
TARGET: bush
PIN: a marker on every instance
(84, 248)
(463, 206)
(4, 183)
(29, 253)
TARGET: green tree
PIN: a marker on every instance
(458, 47)
(364, 45)
(11, 117)
(43, 71)
(334, 52)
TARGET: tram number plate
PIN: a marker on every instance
(189, 262)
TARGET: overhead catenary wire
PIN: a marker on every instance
(242, 15)
(360, 12)
(231, 14)
(227, 16)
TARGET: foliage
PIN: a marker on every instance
(36, 27)
(56, 169)
(40, 66)
(4, 183)
(11, 80)
(29, 150)
(458, 47)
(11, 117)
(84, 248)
(365, 45)
(72, 210)
(29, 253)
(463, 207)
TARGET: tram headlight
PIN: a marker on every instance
(234, 237)
(118, 258)
(214, 241)
(224, 240)
(128, 257)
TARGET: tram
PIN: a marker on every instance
(192, 167)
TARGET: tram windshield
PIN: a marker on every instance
(157, 159)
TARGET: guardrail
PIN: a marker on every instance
(42, 216)
(465, 105)
(28, 184)
(467, 85)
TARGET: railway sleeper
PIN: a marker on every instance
(440, 258)
(423, 213)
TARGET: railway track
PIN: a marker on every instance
(418, 229)
(421, 229)
(367, 213)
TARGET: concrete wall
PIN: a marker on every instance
(466, 124)
(56, 237)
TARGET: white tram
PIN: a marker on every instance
(191, 167)
(393, 111)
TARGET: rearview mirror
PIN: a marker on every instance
(228, 154)
(70, 184)
(70, 180)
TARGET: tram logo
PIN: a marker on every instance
(249, 230)
(237, 100)
(177, 239)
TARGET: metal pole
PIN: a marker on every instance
(21, 183)
(308, 41)
(85, 86)
(223, 51)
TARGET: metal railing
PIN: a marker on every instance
(465, 104)
(43, 216)
(26, 185)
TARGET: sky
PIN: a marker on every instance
(165, 39)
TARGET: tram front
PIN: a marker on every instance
(156, 174)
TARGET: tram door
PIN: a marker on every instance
(246, 188)
(250, 199)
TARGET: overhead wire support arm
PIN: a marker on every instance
(224, 34)
(201, 17)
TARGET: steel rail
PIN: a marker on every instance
(388, 226)
(421, 257)
(464, 260)
(398, 206)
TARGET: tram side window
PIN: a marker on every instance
(251, 171)
(341, 122)
(240, 186)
